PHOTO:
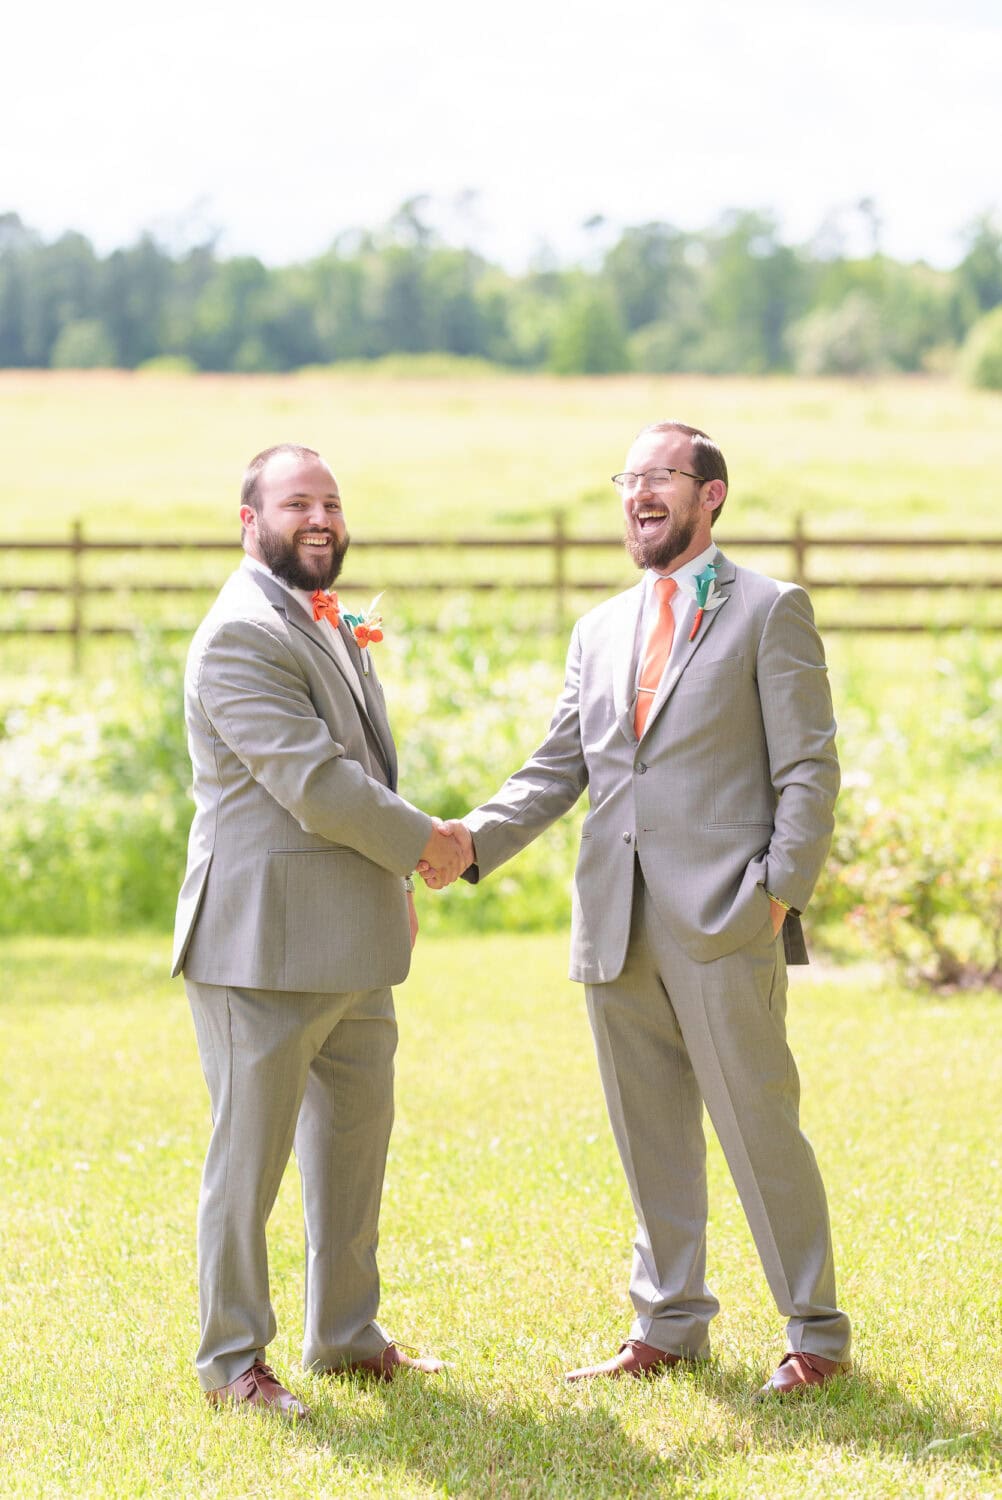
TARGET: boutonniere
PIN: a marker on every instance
(366, 628)
(706, 595)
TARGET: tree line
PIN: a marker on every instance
(733, 298)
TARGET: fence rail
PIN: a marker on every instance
(799, 547)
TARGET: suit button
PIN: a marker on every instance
(641, 768)
(627, 838)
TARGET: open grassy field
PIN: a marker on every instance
(441, 456)
(505, 1247)
(161, 455)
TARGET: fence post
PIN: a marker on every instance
(76, 593)
(799, 544)
(559, 566)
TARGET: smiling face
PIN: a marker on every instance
(297, 528)
(667, 528)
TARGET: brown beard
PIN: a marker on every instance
(661, 556)
(285, 562)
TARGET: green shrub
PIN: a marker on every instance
(469, 701)
(168, 364)
(982, 354)
(922, 888)
(914, 874)
(83, 345)
(96, 810)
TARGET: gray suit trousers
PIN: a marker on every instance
(286, 1068)
(671, 1034)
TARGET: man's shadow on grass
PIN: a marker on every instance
(862, 1412)
(458, 1436)
(459, 1440)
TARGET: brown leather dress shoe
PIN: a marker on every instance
(797, 1370)
(258, 1387)
(385, 1365)
(634, 1358)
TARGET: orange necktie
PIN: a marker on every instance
(325, 607)
(656, 653)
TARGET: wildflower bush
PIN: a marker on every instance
(915, 870)
(96, 810)
(97, 792)
(97, 778)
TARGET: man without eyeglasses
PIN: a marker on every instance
(696, 710)
(295, 918)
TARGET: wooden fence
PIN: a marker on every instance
(962, 566)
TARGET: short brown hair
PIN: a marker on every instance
(707, 459)
(249, 494)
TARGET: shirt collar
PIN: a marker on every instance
(685, 576)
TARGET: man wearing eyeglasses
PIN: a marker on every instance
(697, 712)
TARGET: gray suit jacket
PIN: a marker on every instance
(299, 842)
(729, 792)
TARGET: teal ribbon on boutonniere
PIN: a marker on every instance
(706, 595)
(366, 628)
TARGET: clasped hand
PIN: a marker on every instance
(446, 855)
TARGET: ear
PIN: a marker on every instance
(714, 494)
(248, 517)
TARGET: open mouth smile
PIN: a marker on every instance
(315, 541)
(649, 517)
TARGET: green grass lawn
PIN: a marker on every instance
(505, 1247)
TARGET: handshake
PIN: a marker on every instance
(446, 855)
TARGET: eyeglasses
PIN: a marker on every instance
(654, 479)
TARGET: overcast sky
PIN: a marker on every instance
(281, 124)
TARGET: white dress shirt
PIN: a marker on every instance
(685, 577)
(304, 598)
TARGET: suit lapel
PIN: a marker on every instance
(685, 649)
(363, 690)
(373, 701)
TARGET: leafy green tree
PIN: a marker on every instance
(286, 336)
(911, 312)
(979, 275)
(732, 299)
(454, 315)
(337, 296)
(394, 300)
(650, 274)
(755, 289)
(843, 340)
(134, 292)
(225, 316)
(59, 286)
(589, 338)
(83, 345)
(17, 244)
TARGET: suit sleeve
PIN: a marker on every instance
(799, 725)
(253, 693)
(545, 788)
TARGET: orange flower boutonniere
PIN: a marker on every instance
(367, 628)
